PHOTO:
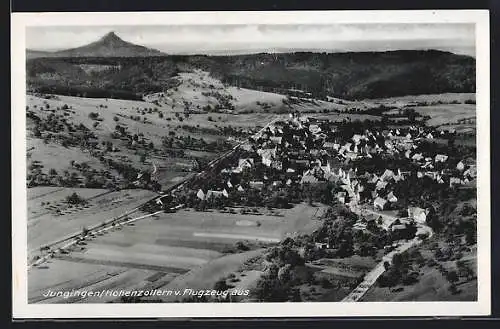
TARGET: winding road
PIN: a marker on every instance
(371, 277)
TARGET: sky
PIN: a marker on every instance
(232, 39)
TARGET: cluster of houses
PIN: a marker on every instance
(308, 151)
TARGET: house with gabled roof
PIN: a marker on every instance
(418, 214)
(216, 194)
(455, 181)
(380, 185)
(256, 184)
(356, 138)
(315, 129)
(374, 179)
(388, 174)
(379, 203)
(398, 227)
(278, 165)
(391, 197)
(245, 163)
(427, 165)
(359, 226)
(440, 158)
(341, 196)
(200, 195)
(329, 145)
(417, 157)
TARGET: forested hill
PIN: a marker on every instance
(345, 75)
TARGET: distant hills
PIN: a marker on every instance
(110, 45)
(111, 67)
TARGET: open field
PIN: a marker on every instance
(443, 114)
(428, 98)
(206, 276)
(199, 89)
(81, 276)
(187, 242)
(42, 200)
(53, 221)
(447, 113)
(58, 157)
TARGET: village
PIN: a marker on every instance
(367, 169)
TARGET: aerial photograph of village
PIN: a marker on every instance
(251, 163)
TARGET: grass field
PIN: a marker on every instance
(191, 246)
(55, 219)
(198, 88)
(55, 156)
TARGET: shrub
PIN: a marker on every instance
(452, 276)
(93, 115)
(241, 246)
(75, 199)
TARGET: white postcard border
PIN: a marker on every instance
(21, 308)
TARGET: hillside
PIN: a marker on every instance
(342, 75)
(350, 75)
(110, 45)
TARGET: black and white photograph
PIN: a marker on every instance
(256, 164)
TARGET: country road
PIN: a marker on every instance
(371, 277)
(73, 238)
